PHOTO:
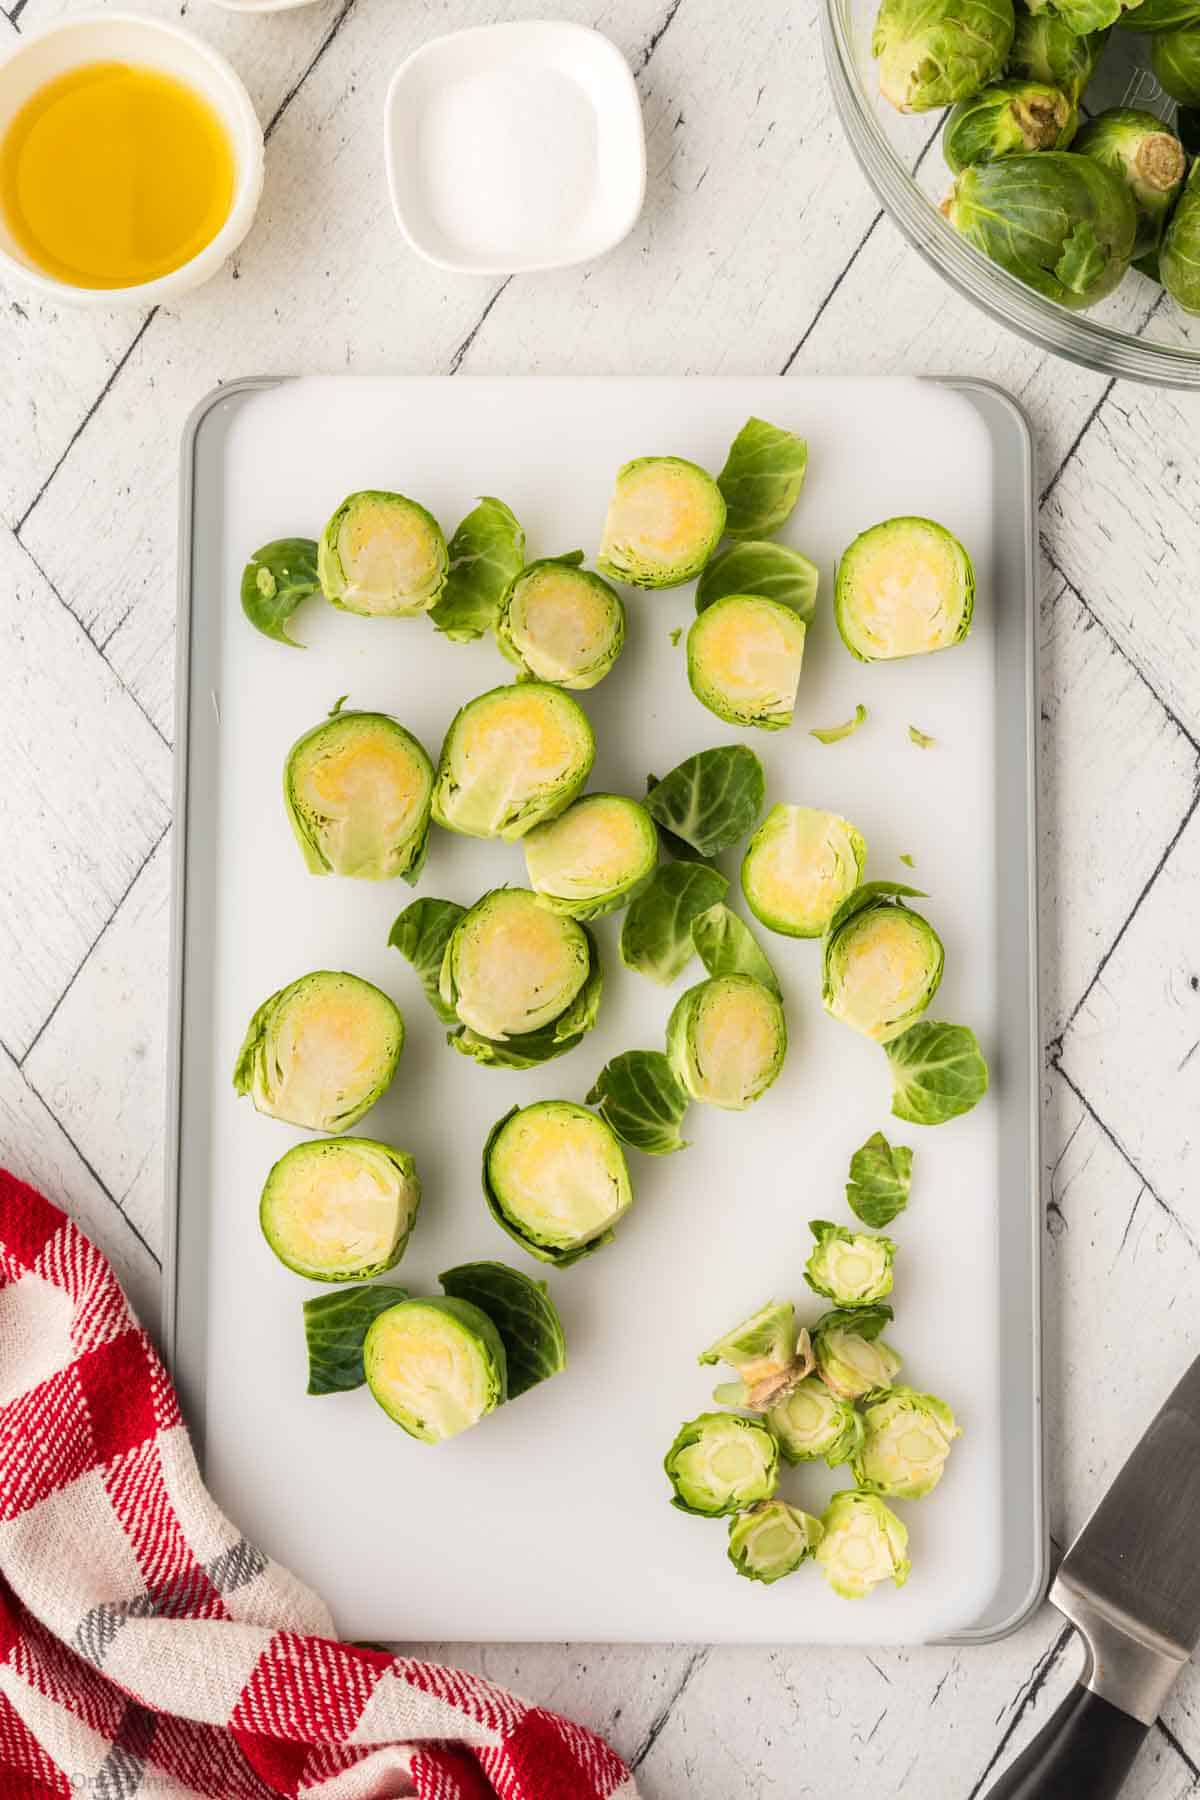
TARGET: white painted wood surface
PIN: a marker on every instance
(761, 249)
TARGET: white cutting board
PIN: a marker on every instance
(551, 1520)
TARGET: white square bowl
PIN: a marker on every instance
(532, 79)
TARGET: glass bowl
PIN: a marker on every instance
(1137, 333)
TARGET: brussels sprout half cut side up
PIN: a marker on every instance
(1179, 258)
(799, 867)
(811, 1422)
(851, 1268)
(907, 1438)
(341, 1209)
(744, 657)
(1046, 50)
(274, 583)
(1010, 118)
(721, 1464)
(561, 623)
(852, 1358)
(772, 1539)
(512, 967)
(882, 963)
(771, 1356)
(665, 519)
(934, 52)
(435, 1366)
(864, 1543)
(726, 1041)
(594, 857)
(383, 556)
(511, 758)
(904, 588)
(555, 1178)
(357, 788)
(1147, 157)
(321, 1051)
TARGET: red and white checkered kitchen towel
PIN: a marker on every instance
(147, 1650)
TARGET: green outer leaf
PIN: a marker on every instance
(868, 894)
(638, 1097)
(547, 1253)
(528, 1049)
(487, 552)
(762, 478)
(1085, 16)
(335, 1328)
(865, 1321)
(765, 569)
(522, 1312)
(938, 1072)
(880, 1176)
(711, 799)
(1045, 49)
(275, 581)
(421, 933)
(833, 734)
(726, 945)
(656, 934)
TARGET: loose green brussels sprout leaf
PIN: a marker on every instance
(811, 1422)
(335, 1330)
(656, 935)
(833, 734)
(1045, 49)
(880, 1175)
(938, 1072)
(864, 1543)
(593, 858)
(357, 788)
(665, 519)
(769, 1354)
(851, 1268)
(744, 657)
(1175, 59)
(1147, 157)
(799, 867)
(421, 933)
(720, 1464)
(768, 570)
(275, 581)
(383, 556)
(921, 739)
(1010, 118)
(524, 981)
(342, 1209)
(904, 588)
(511, 758)
(1084, 16)
(535, 1347)
(1063, 224)
(762, 478)
(321, 1051)
(435, 1366)
(1160, 15)
(727, 946)
(710, 799)
(852, 1358)
(907, 1438)
(485, 554)
(560, 623)
(555, 1178)
(882, 963)
(726, 1041)
(638, 1097)
(1179, 257)
(934, 52)
(772, 1539)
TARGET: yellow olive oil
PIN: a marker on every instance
(113, 175)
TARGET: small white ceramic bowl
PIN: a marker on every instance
(149, 43)
(528, 72)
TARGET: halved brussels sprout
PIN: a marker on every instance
(811, 1422)
(1046, 49)
(321, 1051)
(639, 1098)
(511, 758)
(903, 588)
(383, 556)
(772, 1539)
(852, 1358)
(864, 1543)
(798, 868)
(720, 1464)
(1175, 59)
(560, 623)
(938, 1072)
(357, 789)
(851, 1268)
(762, 478)
(1010, 118)
(770, 1355)
(1148, 158)
(906, 1443)
(594, 857)
(726, 1040)
(555, 1178)
(882, 962)
(435, 1366)
(512, 966)
(710, 799)
(744, 656)
(934, 52)
(1179, 257)
(665, 519)
(274, 583)
(342, 1209)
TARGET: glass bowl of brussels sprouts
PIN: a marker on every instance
(1045, 158)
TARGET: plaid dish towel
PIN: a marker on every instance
(147, 1650)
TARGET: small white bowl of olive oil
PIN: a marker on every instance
(131, 161)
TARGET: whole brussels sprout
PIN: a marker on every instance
(1045, 49)
(1149, 159)
(1175, 59)
(1179, 256)
(1083, 16)
(1008, 119)
(934, 52)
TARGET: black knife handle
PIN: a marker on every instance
(1083, 1753)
